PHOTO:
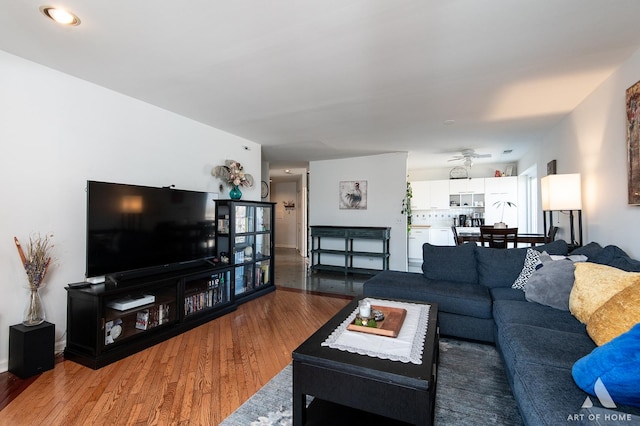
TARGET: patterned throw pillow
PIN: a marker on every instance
(531, 260)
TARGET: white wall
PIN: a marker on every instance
(286, 220)
(386, 177)
(56, 133)
(592, 141)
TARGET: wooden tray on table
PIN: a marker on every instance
(390, 326)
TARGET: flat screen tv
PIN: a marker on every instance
(138, 228)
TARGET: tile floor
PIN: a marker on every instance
(292, 271)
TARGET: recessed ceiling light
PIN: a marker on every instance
(449, 122)
(61, 16)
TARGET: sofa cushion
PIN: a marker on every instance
(616, 316)
(514, 312)
(538, 345)
(547, 395)
(501, 267)
(450, 263)
(594, 285)
(506, 293)
(551, 284)
(591, 250)
(610, 255)
(617, 365)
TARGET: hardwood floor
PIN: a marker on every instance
(197, 378)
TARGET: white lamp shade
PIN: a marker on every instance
(561, 192)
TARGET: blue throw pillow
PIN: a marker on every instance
(617, 365)
(450, 263)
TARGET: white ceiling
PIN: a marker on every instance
(313, 80)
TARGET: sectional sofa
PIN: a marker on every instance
(535, 306)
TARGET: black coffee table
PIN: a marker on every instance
(352, 389)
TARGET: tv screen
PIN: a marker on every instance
(133, 227)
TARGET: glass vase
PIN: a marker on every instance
(34, 313)
(235, 193)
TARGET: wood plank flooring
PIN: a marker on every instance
(196, 378)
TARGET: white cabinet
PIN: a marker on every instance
(467, 192)
(430, 194)
(441, 236)
(439, 194)
(466, 186)
(417, 237)
(498, 191)
(421, 195)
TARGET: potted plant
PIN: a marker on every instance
(406, 205)
(502, 204)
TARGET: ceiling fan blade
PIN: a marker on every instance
(482, 156)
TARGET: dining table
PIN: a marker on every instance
(526, 238)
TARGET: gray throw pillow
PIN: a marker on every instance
(551, 284)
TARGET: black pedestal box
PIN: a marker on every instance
(31, 349)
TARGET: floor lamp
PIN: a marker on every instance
(563, 193)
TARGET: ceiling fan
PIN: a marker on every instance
(468, 155)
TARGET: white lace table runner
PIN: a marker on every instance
(407, 347)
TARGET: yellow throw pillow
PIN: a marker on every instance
(594, 285)
(617, 316)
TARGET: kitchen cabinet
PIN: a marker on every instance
(421, 195)
(430, 194)
(466, 186)
(441, 236)
(417, 238)
(498, 191)
(467, 192)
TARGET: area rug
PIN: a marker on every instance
(472, 389)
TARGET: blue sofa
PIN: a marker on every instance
(539, 344)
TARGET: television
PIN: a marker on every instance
(133, 230)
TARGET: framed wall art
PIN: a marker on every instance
(633, 143)
(353, 194)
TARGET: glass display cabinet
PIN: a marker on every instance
(245, 240)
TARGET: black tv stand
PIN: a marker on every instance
(102, 328)
(127, 278)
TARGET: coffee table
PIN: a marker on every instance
(349, 388)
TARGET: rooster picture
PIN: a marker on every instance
(353, 195)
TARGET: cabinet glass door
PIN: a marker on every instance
(263, 219)
(245, 219)
(206, 292)
(127, 315)
(243, 249)
(262, 273)
(263, 246)
(244, 278)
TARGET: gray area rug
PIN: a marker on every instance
(472, 389)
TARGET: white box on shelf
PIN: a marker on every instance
(130, 302)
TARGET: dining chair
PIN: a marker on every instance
(498, 237)
(456, 240)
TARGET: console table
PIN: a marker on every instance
(349, 234)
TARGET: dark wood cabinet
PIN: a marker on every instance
(107, 322)
(342, 254)
(245, 238)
